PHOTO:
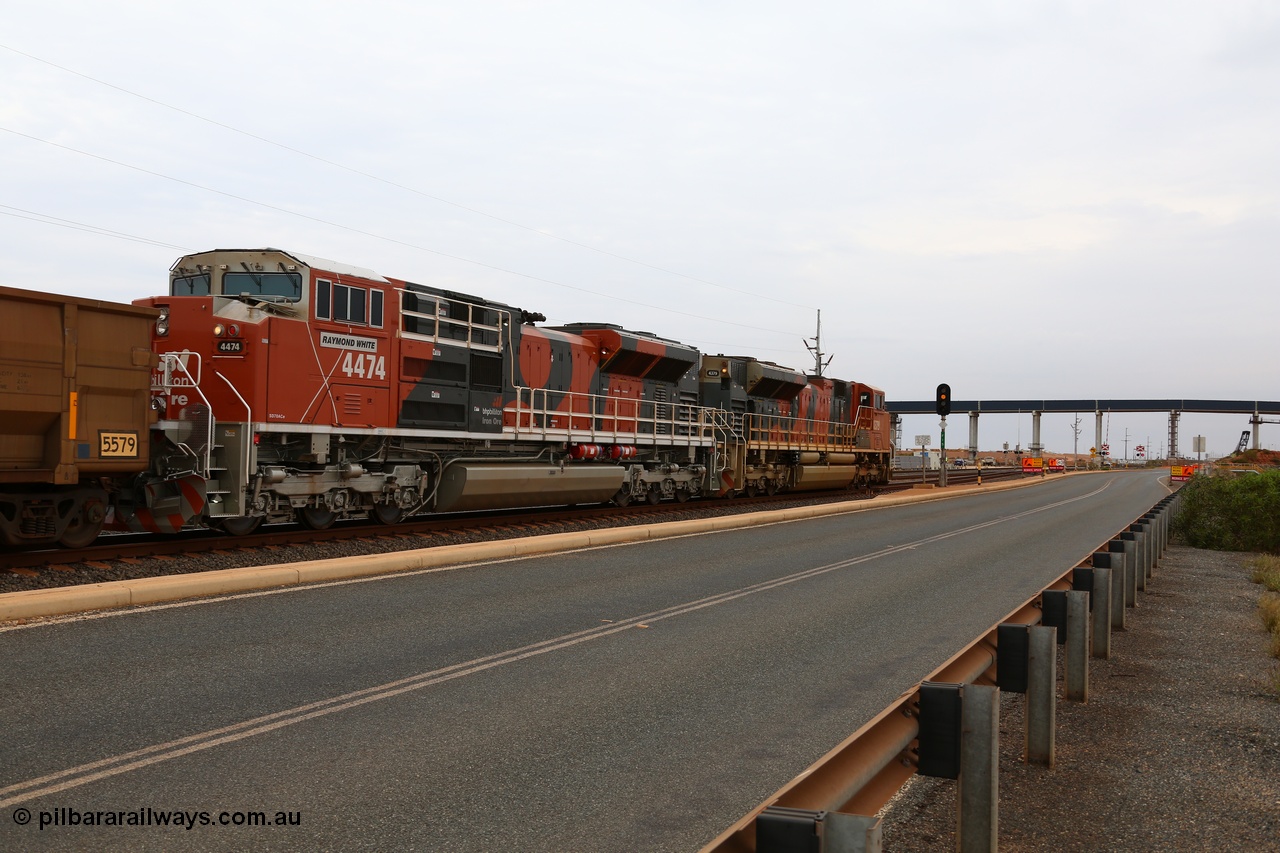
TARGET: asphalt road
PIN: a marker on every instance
(636, 697)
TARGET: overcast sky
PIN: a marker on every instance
(1024, 200)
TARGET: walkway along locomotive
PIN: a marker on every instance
(290, 387)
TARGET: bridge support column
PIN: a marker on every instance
(1037, 449)
(973, 437)
(1097, 436)
(1173, 435)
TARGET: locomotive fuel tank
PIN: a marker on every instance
(486, 485)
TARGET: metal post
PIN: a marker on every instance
(1042, 694)
(1122, 560)
(1149, 544)
(973, 437)
(1101, 613)
(1076, 664)
(1139, 554)
(851, 833)
(1156, 547)
(978, 794)
(1102, 559)
(1037, 449)
(1131, 572)
(1164, 529)
(942, 473)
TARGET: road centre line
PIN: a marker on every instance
(84, 774)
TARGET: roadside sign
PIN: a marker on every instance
(1182, 473)
(1055, 465)
(1032, 465)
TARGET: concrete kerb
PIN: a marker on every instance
(61, 601)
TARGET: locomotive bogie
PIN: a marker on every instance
(660, 481)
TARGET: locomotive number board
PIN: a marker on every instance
(118, 445)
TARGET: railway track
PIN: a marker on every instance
(137, 555)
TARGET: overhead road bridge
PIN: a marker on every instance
(1254, 408)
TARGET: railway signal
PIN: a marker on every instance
(943, 404)
(944, 399)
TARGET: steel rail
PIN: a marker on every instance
(115, 546)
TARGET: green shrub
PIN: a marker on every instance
(1266, 571)
(1231, 513)
(1269, 610)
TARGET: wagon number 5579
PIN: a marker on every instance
(364, 365)
(120, 445)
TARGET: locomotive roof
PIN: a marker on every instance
(582, 327)
(305, 260)
(334, 266)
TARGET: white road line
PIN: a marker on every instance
(83, 774)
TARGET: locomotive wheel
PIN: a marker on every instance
(623, 497)
(385, 513)
(771, 488)
(80, 533)
(241, 526)
(316, 518)
(682, 495)
(750, 491)
(653, 496)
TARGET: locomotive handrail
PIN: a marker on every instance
(167, 362)
(436, 321)
(182, 360)
(786, 432)
(244, 435)
(596, 418)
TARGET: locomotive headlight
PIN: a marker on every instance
(233, 330)
(162, 324)
(219, 330)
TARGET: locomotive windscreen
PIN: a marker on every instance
(284, 284)
(190, 285)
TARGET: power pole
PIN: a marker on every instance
(816, 348)
(1075, 448)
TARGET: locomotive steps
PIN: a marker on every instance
(61, 601)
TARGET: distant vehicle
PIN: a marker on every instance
(959, 462)
(989, 460)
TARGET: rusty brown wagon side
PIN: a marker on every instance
(75, 413)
